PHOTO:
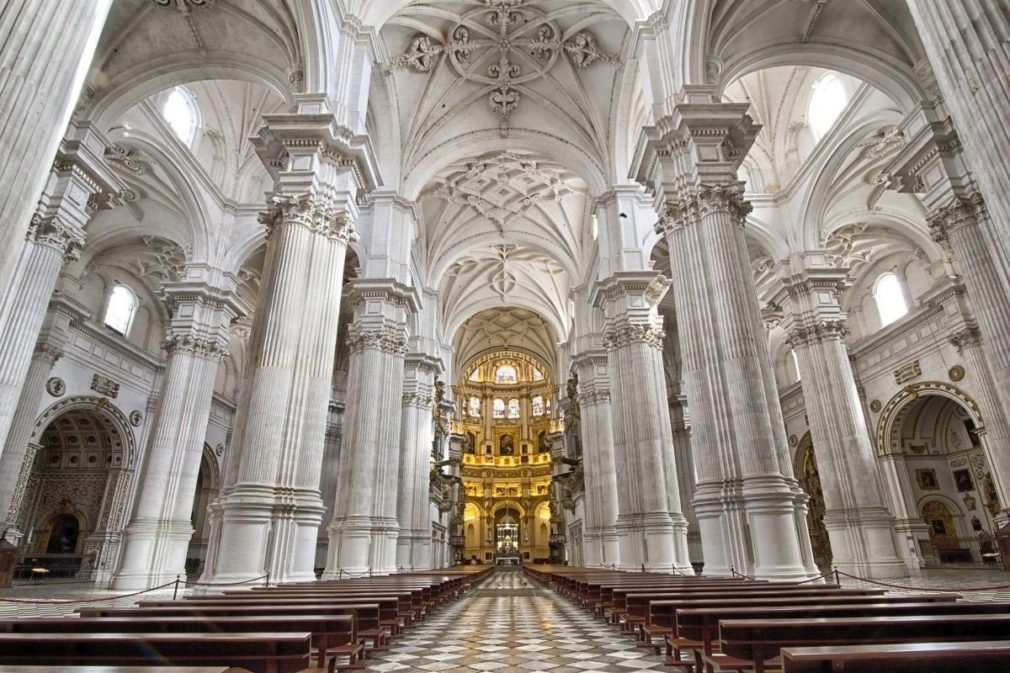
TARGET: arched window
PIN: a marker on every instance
(121, 309)
(538, 406)
(513, 408)
(181, 113)
(827, 102)
(474, 406)
(537, 375)
(505, 374)
(475, 375)
(498, 408)
(890, 298)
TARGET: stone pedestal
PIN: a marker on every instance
(365, 527)
(158, 535)
(860, 526)
(651, 530)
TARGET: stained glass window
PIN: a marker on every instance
(513, 408)
(505, 374)
(498, 408)
(475, 406)
(538, 406)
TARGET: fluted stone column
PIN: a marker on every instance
(683, 458)
(651, 530)
(601, 546)
(159, 532)
(751, 512)
(995, 430)
(968, 44)
(859, 524)
(413, 545)
(51, 242)
(960, 225)
(365, 528)
(45, 50)
(269, 511)
(18, 457)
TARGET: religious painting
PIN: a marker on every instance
(927, 479)
(63, 538)
(962, 478)
(506, 445)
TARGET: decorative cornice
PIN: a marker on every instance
(319, 214)
(969, 337)
(124, 156)
(623, 332)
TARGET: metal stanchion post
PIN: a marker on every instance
(175, 591)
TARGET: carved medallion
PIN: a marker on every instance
(56, 386)
(136, 418)
(875, 406)
(956, 373)
(793, 440)
(219, 449)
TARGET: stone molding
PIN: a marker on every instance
(317, 213)
(817, 331)
(623, 332)
(50, 352)
(52, 232)
(960, 212)
(593, 396)
(419, 398)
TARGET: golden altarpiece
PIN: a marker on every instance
(506, 406)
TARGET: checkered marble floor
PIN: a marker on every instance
(510, 625)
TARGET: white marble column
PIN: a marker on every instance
(601, 548)
(45, 50)
(365, 527)
(413, 545)
(269, 511)
(18, 457)
(51, 241)
(960, 226)
(859, 524)
(651, 530)
(968, 45)
(159, 532)
(750, 510)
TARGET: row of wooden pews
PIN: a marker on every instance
(308, 628)
(737, 624)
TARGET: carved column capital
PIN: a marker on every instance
(385, 338)
(969, 337)
(49, 352)
(192, 344)
(961, 211)
(317, 213)
(51, 231)
(817, 331)
(622, 332)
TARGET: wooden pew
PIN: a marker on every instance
(121, 669)
(756, 643)
(971, 657)
(257, 652)
(330, 634)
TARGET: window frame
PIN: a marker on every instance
(130, 292)
(900, 292)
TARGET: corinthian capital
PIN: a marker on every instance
(960, 212)
(387, 339)
(623, 332)
(726, 198)
(52, 232)
(969, 337)
(817, 331)
(315, 212)
(192, 344)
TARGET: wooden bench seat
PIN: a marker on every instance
(333, 635)
(125, 669)
(759, 641)
(972, 657)
(257, 652)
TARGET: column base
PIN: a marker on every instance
(154, 553)
(413, 550)
(862, 543)
(653, 542)
(361, 545)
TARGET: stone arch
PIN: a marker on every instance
(805, 469)
(893, 411)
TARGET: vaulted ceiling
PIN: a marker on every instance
(504, 328)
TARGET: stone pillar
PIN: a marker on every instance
(364, 528)
(995, 430)
(413, 545)
(601, 548)
(966, 42)
(751, 512)
(269, 511)
(18, 456)
(651, 529)
(859, 524)
(158, 535)
(682, 455)
(45, 50)
(960, 226)
(51, 242)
